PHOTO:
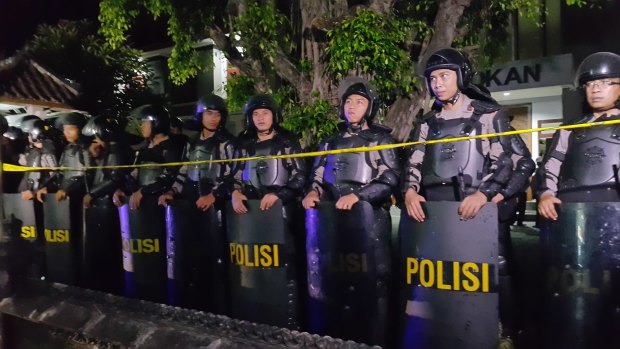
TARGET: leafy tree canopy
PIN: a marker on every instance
(303, 48)
(111, 80)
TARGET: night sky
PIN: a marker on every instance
(20, 18)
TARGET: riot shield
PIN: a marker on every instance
(102, 256)
(21, 217)
(263, 280)
(62, 241)
(143, 234)
(448, 279)
(25, 241)
(582, 282)
(349, 272)
(197, 260)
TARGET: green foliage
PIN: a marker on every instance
(184, 28)
(261, 31)
(111, 80)
(239, 88)
(371, 44)
(116, 17)
(312, 123)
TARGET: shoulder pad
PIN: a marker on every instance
(428, 116)
(48, 146)
(224, 135)
(380, 128)
(484, 107)
(287, 138)
(246, 135)
(577, 120)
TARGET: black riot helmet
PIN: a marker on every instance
(39, 131)
(13, 133)
(157, 115)
(261, 102)
(26, 122)
(449, 58)
(105, 128)
(596, 66)
(73, 119)
(212, 102)
(364, 90)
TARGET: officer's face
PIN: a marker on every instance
(263, 119)
(602, 94)
(145, 128)
(211, 119)
(355, 107)
(443, 83)
(71, 133)
(96, 147)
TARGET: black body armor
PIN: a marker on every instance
(263, 174)
(106, 181)
(590, 158)
(461, 161)
(348, 171)
(32, 180)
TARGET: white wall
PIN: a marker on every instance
(546, 103)
(220, 69)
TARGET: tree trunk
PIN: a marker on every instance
(313, 42)
(402, 115)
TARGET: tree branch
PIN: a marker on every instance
(445, 24)
(381, 6)
(248, 66)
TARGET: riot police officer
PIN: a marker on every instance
(578, 193)
(567, 173)
(63, 223)
(102, 236)
(40, 153)
(266, 192)
(71, 182)
(199, 263)
(270, 180)
(142, 221)
(460, 108)
(473, 172)
(362, 184)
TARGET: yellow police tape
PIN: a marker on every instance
(16, 168)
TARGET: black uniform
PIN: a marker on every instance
(200, 259)
(344, 302)
(103, 259)
(275, 296)
(581, 169)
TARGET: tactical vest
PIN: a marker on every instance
(444, 162)
(204, 150)
(148, 175)
(33, 159)
(349, 168)
(592, 152)
(112, 158)
(72, 157)
(268, 172)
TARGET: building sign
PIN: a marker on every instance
(547, 71)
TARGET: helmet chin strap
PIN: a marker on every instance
(356, 127)
(265, 133)
(452, 100)
(208, 129)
